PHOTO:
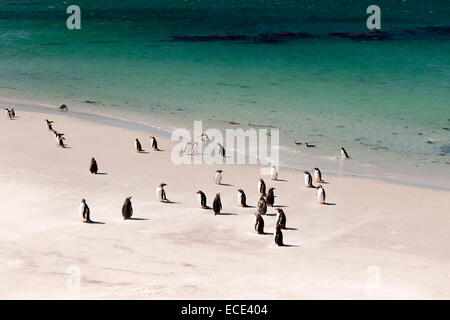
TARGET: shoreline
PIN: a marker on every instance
(48, 108)
(177, 250)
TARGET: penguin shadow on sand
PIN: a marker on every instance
(329, 204)
(136, 219)
(226, 184)
(227, 214)
(170, 202)
(94, 222)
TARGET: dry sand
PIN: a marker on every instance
(378, 240)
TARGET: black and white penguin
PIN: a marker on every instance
(262, 187)
(281, 218)
(278, 236)
(49, 124)
(201, 199)
(221, 150)
(218, 177)
(154, 144)
(217, 204)
(13, 113)
(344, 154)
(320, 194)
(273, 173)
(84, 211)
(161, 193)
(270, 199)
(204, 137)
(317, 175)
(138, 146)
(308, 180)
(242, 199)
(61, 143)
(58, 136)
(259, 223)
(127, 209)
(7, 113)
(93, 168)
(63, 108)
(262, 206)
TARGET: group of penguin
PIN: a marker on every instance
(59, 137)
(266, 198)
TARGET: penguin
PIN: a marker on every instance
(161, 193)
(278, 236)
(63, 108)
(49, 124)
(154, 144)
(13, 113)
(93, 168)
(127, 209)
(262, 187)
(308, 179)
(7, 114)
(221, 150)
(320, 193)
(317, 175)
(84, 211)
(273, 173)
(259, 223)
(344, 154)
(138, 146)
(217, 204)
(58, 136)
(202, 199)
(242, 199)
(281, 218)
(270, 199)
(262, 206)
(204, 137)
(61, 143)
(218, 177)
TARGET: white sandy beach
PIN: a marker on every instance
(375, 230)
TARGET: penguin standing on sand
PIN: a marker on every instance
(262, 206)
(262, 187)
(61, 142)
(84, 211)
(138, 146)
(58, 136)
(218, 177)
(221, 150)
(189, 149)
(281, 218)
(344, 154)
(161, 193)
(270, 199)
(127, 209)
(49, 124)
(259, 223)
(93, 168)
(7, 113)
(320, 194)
(13, 113)
(273, 173)
(317, 175)
(217, 204)
(308, 180)
(154, 144)
(278, 236)
(201, 199)
(242, 199)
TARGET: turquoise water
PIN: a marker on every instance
(387, 101)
